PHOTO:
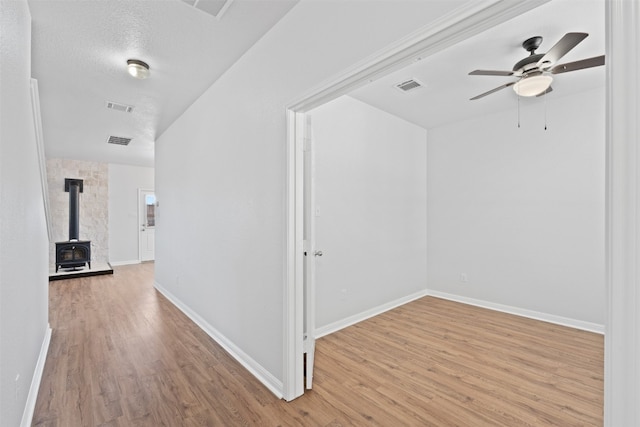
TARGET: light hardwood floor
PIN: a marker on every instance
(122, 355)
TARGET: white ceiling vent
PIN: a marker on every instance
(409, 85)
(118, 140)
(217, 8)
(119, 107)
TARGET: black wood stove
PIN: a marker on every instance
(73, 254)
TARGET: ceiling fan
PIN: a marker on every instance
(534, 72)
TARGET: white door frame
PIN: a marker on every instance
(311, 252)
(42, 161)
(141, 219)
(293, 337)
(466, 21)
(622, 328)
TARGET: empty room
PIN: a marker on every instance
(319, 212)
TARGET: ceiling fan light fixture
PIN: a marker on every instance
(532, 85)
(138, 69)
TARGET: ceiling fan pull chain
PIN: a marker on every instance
(518, 96)
(545, 109)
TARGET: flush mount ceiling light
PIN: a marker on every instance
(532, 85)
(138, 69)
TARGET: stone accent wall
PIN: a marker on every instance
(94, 204)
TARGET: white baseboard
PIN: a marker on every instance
(30, 406)
(545, 317)
(263, 375)
(356, 318)
(118, 263)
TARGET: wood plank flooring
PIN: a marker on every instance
(122, 355)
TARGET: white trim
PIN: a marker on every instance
(460, 24)
(119, 263)
(30, 405)
(522, 312)
(258, 371)
(622, 337)
(466, 21)
(42, 162)
(309, 246)
(367, 314)
(293, 329)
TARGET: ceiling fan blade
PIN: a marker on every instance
(491, 73)
(560, 49)
(492, 90)
(578, 65)
(549, 89)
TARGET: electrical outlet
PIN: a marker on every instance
(464, 278)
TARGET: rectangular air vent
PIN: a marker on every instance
(119, 107)
(411, 84)
(118, 140)
(217, 8)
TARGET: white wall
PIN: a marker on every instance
(221, 168)
(371, 195)
(124, 182)
(521, 211)
(23, 234)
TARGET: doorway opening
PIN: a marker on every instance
(147, 221)
(298, 341)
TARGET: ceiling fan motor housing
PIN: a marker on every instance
(532, 43)
(527, 64)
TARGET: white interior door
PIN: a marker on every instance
(311, 254)
(147, 221)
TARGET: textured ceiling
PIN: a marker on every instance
(448, 87)
(80, 50)
(79, 54)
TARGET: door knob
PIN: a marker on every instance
(318, 253)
